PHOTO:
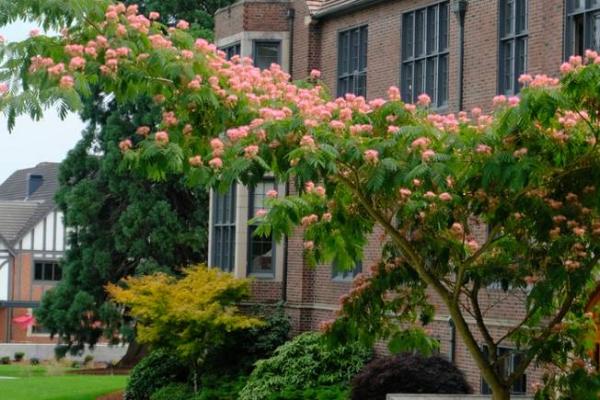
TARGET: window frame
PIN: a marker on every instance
(585, 12)
(235, 46)
(362, 55)
(255, 44)
(345, 276)
(409, 59)
(514, 38)
(251, 237)
(55, 266)
(224, 226)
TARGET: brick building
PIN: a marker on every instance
(32, 240)
(462, 53)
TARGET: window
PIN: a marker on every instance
(513, 45)
(425, 54)
(266, 53)
(352, 61)
(509, 359)
(338, 275)
(583, 26)
(47, 271)
(232, 50)
(261, 250)
(39, 329)
(223, 230)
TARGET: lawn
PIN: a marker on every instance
(51, 383)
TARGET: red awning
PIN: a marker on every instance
(24, 321)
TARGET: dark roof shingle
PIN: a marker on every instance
(20, 212)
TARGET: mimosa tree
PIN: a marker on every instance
(530, 172)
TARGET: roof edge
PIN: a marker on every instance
(344, 8)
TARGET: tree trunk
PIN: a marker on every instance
(135, 352)
(500, 393)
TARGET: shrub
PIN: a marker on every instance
(241, 349)
(34, 361)
(221, 387)
(75, 364)
(5, 360)
(88, 359)
(19, 356)
(174, 391)
(304, 362)
(408, 373)
(158, 369)
(337, 392)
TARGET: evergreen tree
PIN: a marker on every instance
(120, 223)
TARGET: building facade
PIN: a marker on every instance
(461, 53)
(32, 241)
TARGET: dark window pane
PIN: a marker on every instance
(407, 86)
(47, 272)
(361, 85)
(364, 42)
(265, 54)
(431, 30)
(509, 6)
(443, 30)
(429, 72)
(595, 31)
(419, 33)
(232, 50)
(223, 230)
(578, 31)
(443, 81)
(39, 271)
(57, 272)
(407, 36)
(260, 249)
(419, 71)
(521, 16)
(352, 61)
(430, 78)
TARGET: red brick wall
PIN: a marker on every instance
(311, 293)
(24, 288)
(264, 16)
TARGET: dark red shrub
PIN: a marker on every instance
(408, 373)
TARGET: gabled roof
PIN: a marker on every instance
(15, 186)
(20, 212)
(14, 216)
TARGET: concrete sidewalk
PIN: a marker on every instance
(101, 352)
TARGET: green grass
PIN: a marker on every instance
(50, 383)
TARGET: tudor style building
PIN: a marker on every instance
(460, 52)
(32, 240)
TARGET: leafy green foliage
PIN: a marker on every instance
(334, 392)
(190, 315)
(126, 224)
(304, 362)
(174, 391)
(157, 370)
(530, 171)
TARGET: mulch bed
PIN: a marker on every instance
(112, 396)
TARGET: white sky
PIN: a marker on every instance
(33, 142)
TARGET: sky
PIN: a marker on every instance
(32, 142)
